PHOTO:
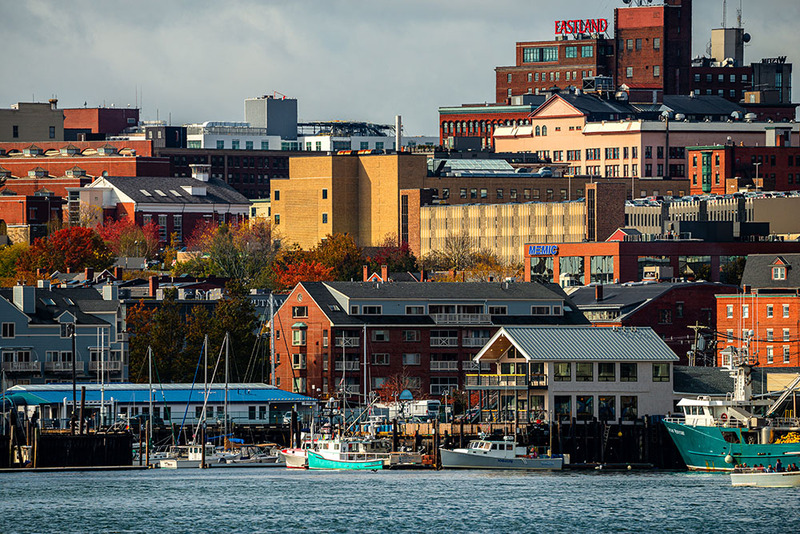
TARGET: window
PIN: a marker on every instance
(498, 310)
(324, 338)
(786, 334)
(540, 310)
(729, 311)
(371, 310)
(52, 132)
(769, 311)
(8, 330)
(606, 372)
(508, 78)
(299, 311)
(324, 218)
(584, 372)
(484, 193)
(562, 372)
(380, 359)
(779, 272)
(657, 44)
(584, 407)
(629, 44)
(298, 338)
(277, 219)
(530, 77)
(785, 354)
(606, 408)
(235, 144)
(627, 372)
(638, 44)
(540, 54)
(410, 336)
(276, 195)
(411, 358)
(770, 335)
(162, 228)
(770, 355)
(354, 309)
(785, 311)
(563, 407)
(15, 131)
(664, 316)
(656, 71)
(630, 407)
(380, 335)
(587, 51)
(660, 372)
(298, 361)
(177, 227)
(415, 310)
(745, 311)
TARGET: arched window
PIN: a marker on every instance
(538, 130)
(544, 130)
(444, 128)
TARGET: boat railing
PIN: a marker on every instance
(360, 456)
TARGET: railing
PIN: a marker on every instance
(444, 366)
(348, 341)
(461, 318)
(348, 366)
(475, 366)
(22, 367)
(474, 341)
(112, 365)
(59, 366)
(503, 381)
(444, 342)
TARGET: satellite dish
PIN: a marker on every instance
(746, 38)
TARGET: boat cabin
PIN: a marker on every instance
(496, 448)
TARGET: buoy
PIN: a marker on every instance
(629, 468)
(619, 434)
(728, 459)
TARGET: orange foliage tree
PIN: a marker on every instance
(288, 276)
(126, 238)
(72, 248)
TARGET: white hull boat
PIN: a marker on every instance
(497, 454)
(761, 479)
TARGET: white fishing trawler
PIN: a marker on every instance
(487, 453)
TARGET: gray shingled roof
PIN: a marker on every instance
(468, 291)
(570, 343)
(591, 105)
(83, 299)
(217, 191)
(700, 105)
(758, 271)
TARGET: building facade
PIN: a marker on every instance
(32, 121)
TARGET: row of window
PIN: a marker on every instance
(656, 71)
(585, 407)
(607, 372)
(513, 194)
(554, 76)
(709, 78)
(770, 309)
(15, 131)
(631, 44)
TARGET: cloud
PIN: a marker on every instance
(342, 59)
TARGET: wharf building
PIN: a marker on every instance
(46, 329)
(764, 317)
(360, 336)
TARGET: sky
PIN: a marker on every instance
(195, 61)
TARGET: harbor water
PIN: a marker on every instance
(280, 500)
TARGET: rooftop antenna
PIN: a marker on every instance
(739, 15)
(724, 12)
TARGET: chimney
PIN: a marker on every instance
(365, 275)
(398, 132)
(153, 285)
(89, 274)
(25, 298)
(746, 289)
(598, 292)
(422, 275)
(385, 273)
(118, 272)
(110, 292)
(43, 284)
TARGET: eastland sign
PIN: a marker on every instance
(542, 250)
(581, 26)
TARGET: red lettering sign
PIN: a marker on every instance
(572, 27)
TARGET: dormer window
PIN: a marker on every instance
(779, 272)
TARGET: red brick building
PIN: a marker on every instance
(725, 169)
(626, 261)
(420, 336)
(24, 217)
(764, 318)
(97, 123)
(654, 49)
(668, 308)
(479, 121)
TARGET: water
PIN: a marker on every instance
(280, 500)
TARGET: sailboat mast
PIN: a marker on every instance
(102, 378)
(149, 399)
(272, 339)
(225, 409)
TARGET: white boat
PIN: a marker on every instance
(759, 478)
(497, 454)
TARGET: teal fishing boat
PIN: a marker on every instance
(718, 434)
(318, 461)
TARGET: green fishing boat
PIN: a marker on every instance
(318, 461)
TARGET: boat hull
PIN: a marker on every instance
(766, 480)
(317, 461)
(464, 460)
(705, 448)
(295, 458)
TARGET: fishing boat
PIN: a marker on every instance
(497, 454)
(318, 461)
(759, 478)
(717, 434)
(295, 457)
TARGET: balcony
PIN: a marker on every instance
(348, 366)
(474, 341)
(444, 366)
(505, 381)
(59, 367)
(461, 318)
(475, 366)
(444, 342)
(347, 341)
(109, 366)
(22, 367)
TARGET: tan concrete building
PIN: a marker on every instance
(354, 194)
(32, 121)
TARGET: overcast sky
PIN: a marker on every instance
(193, 61)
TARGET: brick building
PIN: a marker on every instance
(478, 121)
(418, 335)
(176, 204)
(97, 123)
(24, 217)
(668, 308)
(764, 318)
(725, 169)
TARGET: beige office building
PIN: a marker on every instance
(32, 121)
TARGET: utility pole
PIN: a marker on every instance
(697, 327)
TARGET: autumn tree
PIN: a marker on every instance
(72, 248)
(396, 384)
(290, 275)
(340, 253)
(8, 258)
(126, 238)
(398, 257)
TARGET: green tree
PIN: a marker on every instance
(8, 259)
(340, 253)
(235, 316)
(199, 323)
